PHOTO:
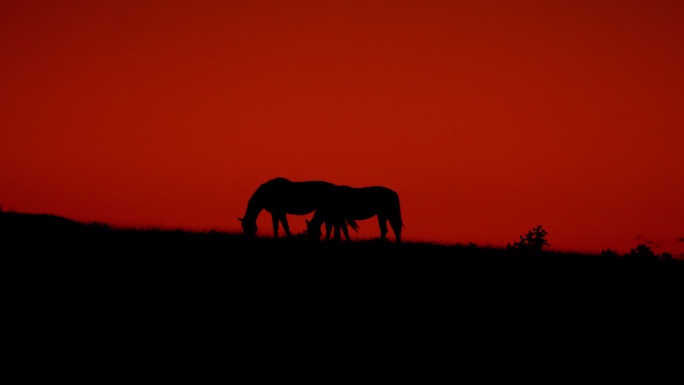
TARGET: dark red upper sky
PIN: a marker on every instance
(487, 117)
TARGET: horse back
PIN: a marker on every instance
(298, 197)
(365, 202)
(374, 196)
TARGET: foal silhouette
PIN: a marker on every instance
(281, 196)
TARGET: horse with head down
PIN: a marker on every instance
(280, 196)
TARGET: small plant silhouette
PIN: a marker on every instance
(642, 252)
(534, 241)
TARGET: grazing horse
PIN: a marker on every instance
(280, 196)
(358, 203)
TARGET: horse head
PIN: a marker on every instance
(249, 228)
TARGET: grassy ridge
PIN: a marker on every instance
(47, 236)
(118, 287)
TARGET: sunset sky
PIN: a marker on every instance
(487, 117)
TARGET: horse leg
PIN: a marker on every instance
(382, 222)
(336, 225)
(396, 227)
(275, 219)
(286, 226)
(328, 230)
(345, 229)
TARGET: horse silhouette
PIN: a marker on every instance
(281, 196)
(359, 203)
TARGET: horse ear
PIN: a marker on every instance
(239, 219)
(307, 221)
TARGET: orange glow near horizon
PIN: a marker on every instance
(488, 118)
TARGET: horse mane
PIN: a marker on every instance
(264, 189)
(270, 183)
(276, 180)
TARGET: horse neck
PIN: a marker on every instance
(252, 212)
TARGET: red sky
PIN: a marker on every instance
(487, 117)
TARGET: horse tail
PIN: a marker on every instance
(401, 222)
(353, 224)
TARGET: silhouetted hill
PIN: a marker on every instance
(232, 256)
(170, 288)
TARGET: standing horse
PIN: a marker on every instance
(280, 196)
(358, 203)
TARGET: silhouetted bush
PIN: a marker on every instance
(533, 242)
(642, 252)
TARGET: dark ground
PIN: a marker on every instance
(221, 300)
(93, 258)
